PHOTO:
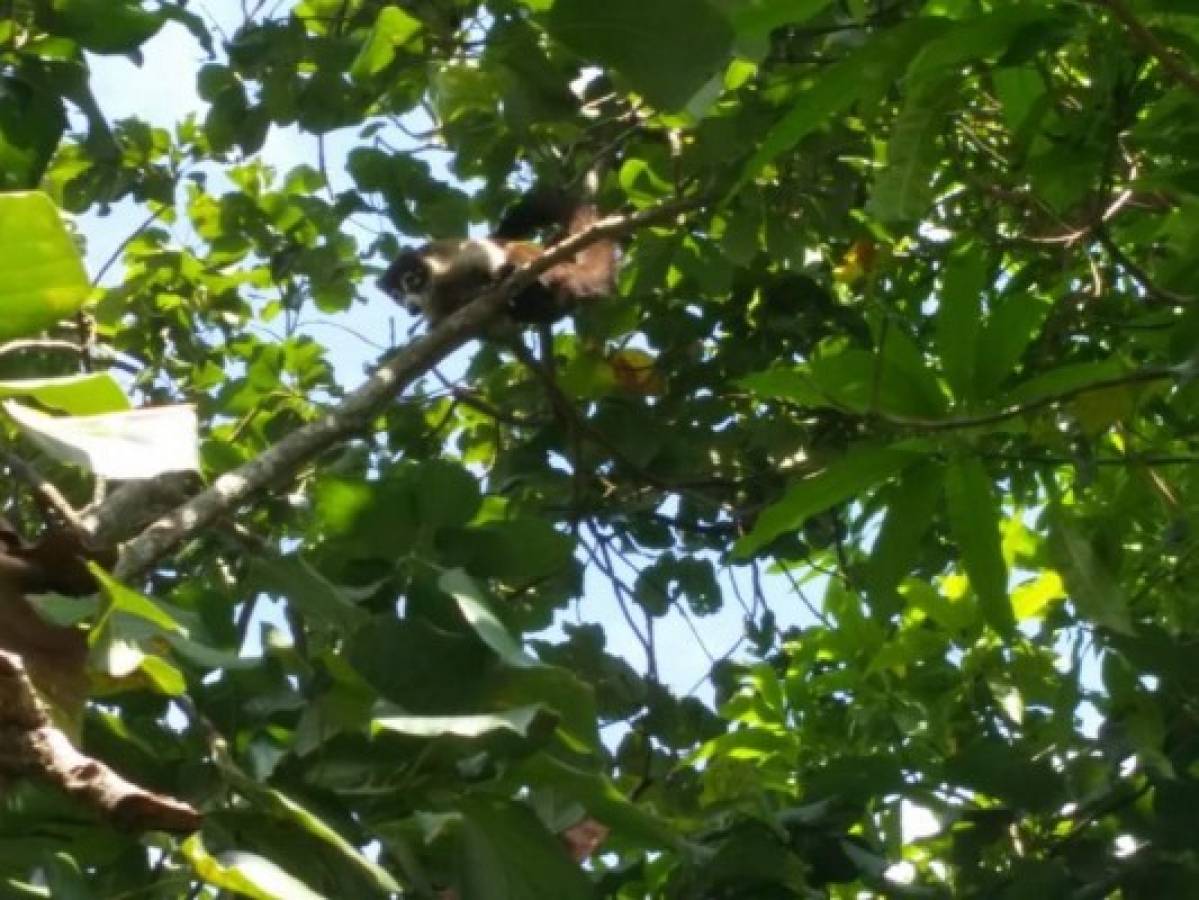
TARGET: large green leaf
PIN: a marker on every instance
(910, 512)
(903, 191)
(667, 49)
(106, 26)
(515, 548)
(982, 36)
(76, 395)
(393, 29)
(506, 854)
(420, 667)
(126, 600)
(974, 519)
(298, 815)
(473, 605)
(312, 595)
(31, 124)
(596, 793)
(41, 276)
(244, 873)
(858, 470)
(1089, 582)
(1006, 334)
(959, 319)
(838, 87)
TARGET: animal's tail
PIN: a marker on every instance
(593, 270)
(550, 215)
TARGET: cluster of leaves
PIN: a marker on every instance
(926, 351)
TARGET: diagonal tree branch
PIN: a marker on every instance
(30, 744)
(1151, 44)
(354, 413)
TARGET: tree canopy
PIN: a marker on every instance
(898, 376)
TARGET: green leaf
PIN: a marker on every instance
(666, 49)
(165, 677)
(904, 190)
(959, 319)
(557, 689)
(318, 600)
(76, 395)
(837, 88)
(518, 721)
(507, 854)
(1031, 599)
(974, 521)
(421, 668)
(475, 609)
(1064, 379)
(517, 548)
(1006, 334)
(41, 276)
(867, 383)
(1092, 587)
(393, 29)
(106, 26)
(126, 600)
(244, 873)
(297, 814)
(910, 512)
(979, 37)
(786, 383)
(1007, 772)
(753, 20)
(858, 470)
(31, 124)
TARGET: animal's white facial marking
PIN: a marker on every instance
(496, 256)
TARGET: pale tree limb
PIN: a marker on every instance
(353, 415)
(31, 745)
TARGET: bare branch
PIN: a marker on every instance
(31, 745)
(354, 413)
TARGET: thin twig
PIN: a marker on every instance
(129, 239)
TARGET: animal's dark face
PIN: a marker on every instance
(408, 281)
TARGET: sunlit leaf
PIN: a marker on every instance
(517, 720)
(1032, 598)
(476, 610)
(139, 443)
(244, 873)
(858, 470)
(126, 600)
(41, 276)
(77, 395)
(393, 29)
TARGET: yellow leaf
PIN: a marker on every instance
(1030, 599)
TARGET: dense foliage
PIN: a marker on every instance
(909, 378)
